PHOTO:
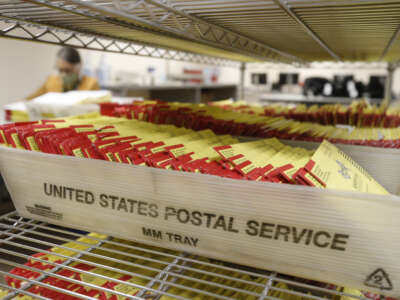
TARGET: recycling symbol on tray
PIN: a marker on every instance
(379, 279)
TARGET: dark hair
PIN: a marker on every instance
(70, 55)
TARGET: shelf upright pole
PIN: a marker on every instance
(388, 84)
(241, 83)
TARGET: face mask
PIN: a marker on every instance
(70, 81)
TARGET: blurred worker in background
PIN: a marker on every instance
(69, 67)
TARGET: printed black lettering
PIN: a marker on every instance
(183, 216)
(79, 196)
(48, 189)
(113, 199)
(265, 227)
(146, 231)
(220, 223)
(122, 205)
(309, 236)
(282, 230)
(153, 210)
(169, 234)
(182, 239)
(305, 236)
(70, 191)
(142, 208)
(298, 238)
(89, 198)
(339, 239)
(178, 238)
(169, 211)
(131, 205)
(318, 243)
(103, 200)
(196, 218)
(209, 218)
(230, 226)
(252, 228)
(157, 234)
(194, 241)
(57, 191)
(187, 241)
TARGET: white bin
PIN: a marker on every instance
(350, 239)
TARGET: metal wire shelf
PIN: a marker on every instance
(60, 15)
(256, 30)
(101, 264)
(11, 28)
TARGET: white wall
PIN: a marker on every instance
(24, 66)
(139, 65)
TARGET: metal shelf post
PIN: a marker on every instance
(242, 81)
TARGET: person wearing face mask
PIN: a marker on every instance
(68, 64)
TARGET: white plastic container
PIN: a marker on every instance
(350, 239)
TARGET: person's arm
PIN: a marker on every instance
(88, 84)
(96, 85)
(42, 90)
